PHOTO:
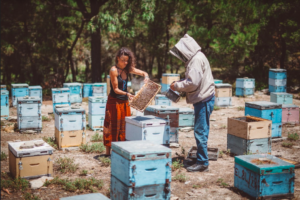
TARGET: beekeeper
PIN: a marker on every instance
(200, 91)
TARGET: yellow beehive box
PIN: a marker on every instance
(70, 138)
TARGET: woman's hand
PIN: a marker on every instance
(130, 96)
(146, 78)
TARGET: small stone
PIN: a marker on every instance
(71, 149)
(174, 145)
(215, 125)
(296, 147)
(174, 198)
(39, 143)
(38, 183)
(17, 140)
(186, 129)
(189, 136)
(27, 145)
(212, 119)
(187, 182)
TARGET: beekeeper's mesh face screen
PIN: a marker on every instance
(178, 54)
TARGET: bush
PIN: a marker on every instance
(66, 164)
(177, 165)
(216, 108)
(97, 137)
(84, 172)
(287, 144)
(240, 108)
(15, 184)
(221, 182)
(93, 148)
(180, 177)
(105, 161)
(293, 136)
(51, 141)
(3, 156)
(45, 119)
(28, 196)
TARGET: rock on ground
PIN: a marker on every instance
(37, 183)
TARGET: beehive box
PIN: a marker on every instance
(97, 105)
(166, 112)
(150, 128)
(99, 89)
(18, 90)
(245, 83)
(4, 112)
(249, 127)
(60, 95)
(264, 176)
(92, 196)
(277, 73)
(277, 82)
(164, 88)
(241, 146)
(290, 114)
(70, 119)
(276, 130)
(142, 162)
(186, 117)
(223, 101)
(36, 91)
(216, 81)
(75, 98)
(281, 98)
(34, 161)
(162, 100)
(174, 135)
(96, 122)
(119, 191)
(87, 90)
(273, 88)
(239, 92)
(60, 105)
(3, 87)
(223, 90)
(75, 88)
(4, 98)
(170, 78)
(73, 138)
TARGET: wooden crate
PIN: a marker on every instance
(249, 127)
(70, 138)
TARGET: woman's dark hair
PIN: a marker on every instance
(131, 59)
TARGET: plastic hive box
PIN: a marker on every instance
(277, 73)
(3, 87)
(170, 78)
(223, 90)
(97, 105)
(60, 95)
(36, 91)
(290, 114)
(223, 101)
(244, 91)
(277, 82)
(166, 112)
(18, 90)
(75, 88)
(216, 81)
(273, 88)
(186, 117)
(87, 90)
(96, 121)
(281, 98)
(245, 83)
(4, 98)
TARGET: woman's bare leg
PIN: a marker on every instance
(108, 150)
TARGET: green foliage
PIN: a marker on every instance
(240, 108)
(92, 148)
(180, 177)
(84, 172)
(29, 196)
(14, 184)
(45, 119)
(66, 164)
(51, 141)
(97, 137)
(177, 165)
(3, 156)
(105, 161)
(2, 123)
(287, 144)
(221, 182)
(293, 136)
(216, 108)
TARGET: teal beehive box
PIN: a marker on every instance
(281, 98)
(18, 90)
(36, 91)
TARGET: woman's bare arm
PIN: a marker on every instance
(141, 73)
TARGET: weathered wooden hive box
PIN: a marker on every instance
(99, 89)
(60, 96)
(281, 98)
(223, 90)
(277, 80)
(150, 128)
(18, 90)
(146, 170)
(97, 106)
(70, 126)
(166, 112)
(30, 159)
(162, 100)
(290, 114)
(29, 113)
(36, 91)
(87, 90)
(4, 104)
(3, 87)
(186, 117)
(264, 176)
(75, 92)
(266, 110)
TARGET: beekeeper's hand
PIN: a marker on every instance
(130, 96)
(172, 86)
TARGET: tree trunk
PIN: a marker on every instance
(87, 70)
(95, 54)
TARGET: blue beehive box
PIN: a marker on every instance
(75, 98)
(18, 90)
(186, 117)
(244, 91)
(119, 191)
(87, 90)
(164, 88)
(216, 81)
(97, 105)
(174, 135)
(162, 100)
(142, 162)
(273, 88)
(96, 122)
(36, 91)
(60, 105)
(4, 112)
(3, 87)
(29, 113)
(60, 95)
(92, 196)
(99, 89)
(75, 88)
(276, 129)
(4, 104)
(245, 83)
(223, 101)
(264, 176)
(70, 118)
(281, 98)
(150, 128)
(277, 82)
(277, 74)
(241, 146)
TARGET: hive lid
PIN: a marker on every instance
(263, 105)
(3, 86)
(289, 106)
(87, 84)
(278, 70)
(99, 84)
(245, 79)
(19, 85)
(282, 93)
(135, 150)
(165, 74)
(156, 108)
(29, 100)
(100, 99)
(60, 89)
(223, 85)
(69, 109)
(30, 148)
(147, 120)
(186, 111)
(264, 164)
(161, 96)
(35, 87)
(72, 84)
(4, 92)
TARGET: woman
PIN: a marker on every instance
(117, 107)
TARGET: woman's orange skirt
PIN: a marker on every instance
(114, 122)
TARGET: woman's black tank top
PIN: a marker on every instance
(122, 85)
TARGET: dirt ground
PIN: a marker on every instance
(198, 186)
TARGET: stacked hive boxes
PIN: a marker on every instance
(36, 91)
(30, 159)
(166, 112)
(216, 81)
(264, 176)
(167, 80)
(99, 89)
(223, 94)
(244, 86)
(18, 90)
(75, 92)
(3, 87)
(60, 96)
(162, 100)
(29, 115)
(4, 104)
(277, 80)
(249, 135)
(97, 106)
(151, 128)
(146, 171)
(70, 125)
(267, 110)
(87, 90)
